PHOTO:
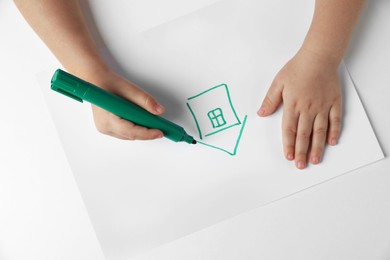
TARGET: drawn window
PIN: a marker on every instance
(216, 118)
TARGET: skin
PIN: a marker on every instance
(308, 84)
(61, 25)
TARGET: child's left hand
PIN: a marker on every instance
(309, 87)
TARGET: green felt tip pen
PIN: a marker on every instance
(80, 90)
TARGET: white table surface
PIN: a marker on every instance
(42, 216)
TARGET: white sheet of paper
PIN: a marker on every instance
(143, 194)
(143, 15)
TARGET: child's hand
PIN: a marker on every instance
(309, 87)
(110, 124)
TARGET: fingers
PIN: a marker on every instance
(127, 130)
(319, 134)
(136, 95)
(305, 126)
(272, 100)
(335, 120)
(311, 94)
(289, 132)
(112, 125)
(299, 131)
(305, 136)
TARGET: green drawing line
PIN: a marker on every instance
(196, 121)
(239, 136)
(212, 146)
(231, 104)
(223, 129)
(237, 142)
(228, 94)
(206, 91)
(219, 130)
(214, 116)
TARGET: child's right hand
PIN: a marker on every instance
(62, 26)
(110, 124)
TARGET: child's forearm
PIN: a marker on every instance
(331, 28)
(309, 86)
(60, 24)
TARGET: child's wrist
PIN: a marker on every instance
(320, 55)
(90, 71)
(328, 52)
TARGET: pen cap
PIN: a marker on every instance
(69, 85)
(80, 90)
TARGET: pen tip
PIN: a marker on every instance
(194, 141)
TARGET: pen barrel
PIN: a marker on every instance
(134, 113)
(78, 89)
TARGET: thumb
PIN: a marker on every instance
(141, 98)
(272, 100)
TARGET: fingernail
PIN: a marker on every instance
(290, 157)
(301, 165)
(160, 135)
(261, 112)
(333, 141)
(315, 160)
(159, 109)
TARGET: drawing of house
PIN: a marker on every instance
(214, 113)
(216, 117)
